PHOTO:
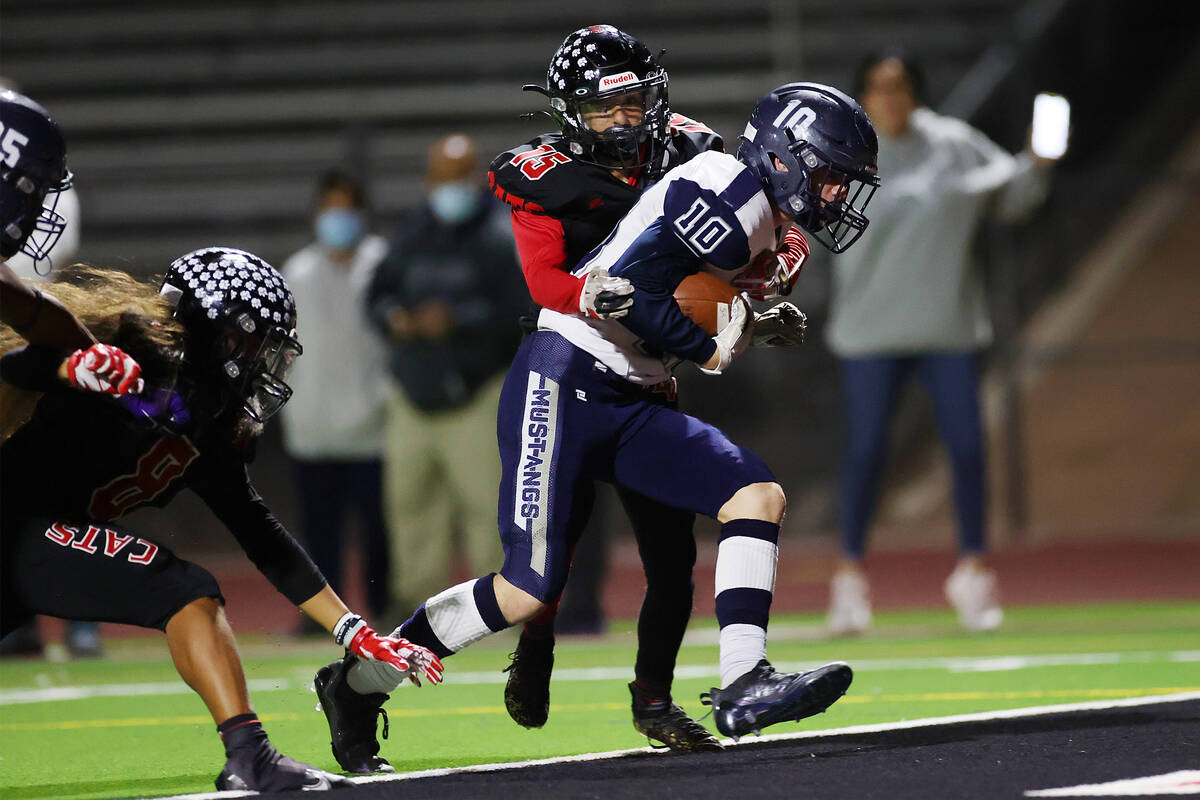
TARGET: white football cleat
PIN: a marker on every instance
(849, 603)
(972, 590)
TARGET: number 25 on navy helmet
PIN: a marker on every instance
(33, 167)
(594, 70)
(814, 150)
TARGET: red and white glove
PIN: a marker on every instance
(605, 297)
(774, 272)
(104, 368)
(734, 337)
(792, 255)
(392, 652)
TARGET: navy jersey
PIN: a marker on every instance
(708, 214)
(85, 457)
(542, 177)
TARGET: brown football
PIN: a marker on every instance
(705, 299)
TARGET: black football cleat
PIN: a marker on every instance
(764, 697)
(665, 722)
(352, 719)
(527, 693)
(259, 767)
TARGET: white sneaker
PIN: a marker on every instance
(849, 603)
(972, 591)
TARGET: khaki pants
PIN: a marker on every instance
(441, 476)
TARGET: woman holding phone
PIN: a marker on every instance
(909, 299)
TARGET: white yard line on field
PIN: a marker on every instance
(949, 664)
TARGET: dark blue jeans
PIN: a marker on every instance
(330, 489)
(872, 387)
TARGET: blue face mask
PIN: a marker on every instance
(340, 228)
(455, 201)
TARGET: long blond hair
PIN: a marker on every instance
(118, 309)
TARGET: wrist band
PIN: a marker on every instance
(346, 627)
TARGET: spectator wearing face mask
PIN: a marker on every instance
(331, 426)
(447, 297)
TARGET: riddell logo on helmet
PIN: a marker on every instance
(613, 81)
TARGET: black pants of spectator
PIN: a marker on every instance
(329, 491)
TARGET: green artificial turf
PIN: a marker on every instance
(913, 665)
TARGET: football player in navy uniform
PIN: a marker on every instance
(608, 95)
(579, 403)
(567, 190)
(214, 344)
(33, 174)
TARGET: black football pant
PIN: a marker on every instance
(667, 546)
(668, 549)
(93, 571)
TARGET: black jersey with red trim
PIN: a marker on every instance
(542, 177)
(85, 456)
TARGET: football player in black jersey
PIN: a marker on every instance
(214, 345)
(567, 190)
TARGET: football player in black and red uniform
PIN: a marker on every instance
(567, 190)
(214, 345)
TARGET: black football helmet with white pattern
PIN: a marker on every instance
(595, 64)
(33, 170)
(240, 322)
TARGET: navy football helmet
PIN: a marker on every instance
(827, 150)
(33, 168)
(593, 69)
(240, 322)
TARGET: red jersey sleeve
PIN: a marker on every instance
(543, 253)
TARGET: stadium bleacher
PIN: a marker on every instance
(192, 122)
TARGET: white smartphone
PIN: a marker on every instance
(1051, 125)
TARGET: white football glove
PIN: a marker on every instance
(734, 337)
(782, 325)
(604, 296)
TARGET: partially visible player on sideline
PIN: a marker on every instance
(34, 171)
(580, 404)
(214, 345)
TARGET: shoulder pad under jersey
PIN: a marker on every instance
(717, 208)
(690, 137)
(541, 176)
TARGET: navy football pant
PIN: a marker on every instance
(565, 419)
